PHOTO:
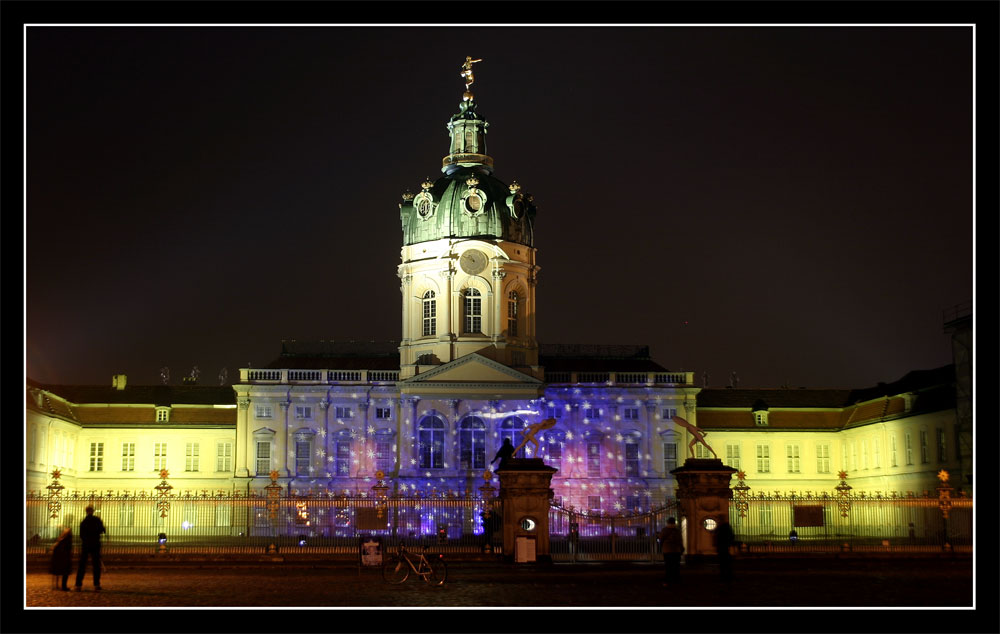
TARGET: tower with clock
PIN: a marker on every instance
(468, 263)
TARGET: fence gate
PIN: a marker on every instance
(575, 536)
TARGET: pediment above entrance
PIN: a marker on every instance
(472, 368)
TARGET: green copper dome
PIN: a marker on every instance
(468, 201)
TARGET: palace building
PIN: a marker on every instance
(431, 410)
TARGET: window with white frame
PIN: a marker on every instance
(942, 450)
(303, 455)
(263, 456)
(512, 428)
(343, 412)
(923, 446)
(429, 304)
(383, 413)
(342, 455)
(594, 504)
(385, 455)
(591, 413)
(630, 413)
(733, 456)
(669, 413)
(763, 459)
(265, 411)
(792, 456)
(159, 456)
(303, 412)
(126, 515)
(876, 459)
(430, 443)
(472, 443)
(512, 301)
(854, 455)
(97, 456)
(552, 443)
(892, 451)
(128, 456)
(822, 458)
(473, 311)
(224, 456)
(593, 458)
(760, 417)
(162, 414)
(669, 457)
(908, 447)
(553, 411)
(864, 454)
(191, 460)
(702, 452)
(632, 463)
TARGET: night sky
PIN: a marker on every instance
(792, 204)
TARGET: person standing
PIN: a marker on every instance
(724, 540)
(90, 537)
(62, 559)
(672, 546)
(504, 453)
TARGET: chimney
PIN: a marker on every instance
(118, 381)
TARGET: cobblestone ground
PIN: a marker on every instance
(840, 583)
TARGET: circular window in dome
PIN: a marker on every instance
(474, 201)
(474, 204)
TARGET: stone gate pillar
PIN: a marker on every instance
(703, 496)
(525, 494)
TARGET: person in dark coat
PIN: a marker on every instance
(672, 546)
(504, 453)
(724, 540)
(90, 538)
(62, 559)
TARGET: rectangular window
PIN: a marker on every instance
(263, 457)
(554, 411)
(766, 516)
(792, 455)
(97, 456)
(512, 315)
(591, 413)
(669, 457)
(162, 415)
(473, 311)
(303, 411)
(669, 413)
(384, 460)
(733, 456)
(553, 456)
(343, 412)
(126, 515)
(303, 449)
(892, 451)
(223, 515)
(823, 459)
(923, 447)
(864, 454)
(942, 450)
(265, 411)
(430, 316)
(191, 460)
(342, 458)
(383, 413)
(763, 459)
(701, 451)
(128, 456)
(908, 447)
(159, 456)
(632, 459)
(224, 456)
(876, 459)
(594, 504)
(593, 459)
(854, 455)
(631, 413)
(633, 502)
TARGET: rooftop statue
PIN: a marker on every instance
(698, 435)
(467, 71)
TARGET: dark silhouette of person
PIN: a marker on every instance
(672, 546)
(724, 540)
(90, 538)
(62, 559)
(504, 453)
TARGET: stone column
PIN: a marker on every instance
(703, 493)
(647, 441)
(364, 466)
(324, 433)
(525, 494)
(408, 438)
(243, 439)
(283, 439)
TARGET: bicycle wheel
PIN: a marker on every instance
(437, 572)
(395, 569)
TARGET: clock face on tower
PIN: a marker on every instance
(472, 261)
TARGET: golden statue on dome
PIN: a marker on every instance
(467, 75)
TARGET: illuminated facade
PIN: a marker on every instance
(431, 410)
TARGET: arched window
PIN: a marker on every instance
(512, 301)
(473, 310)
(512, 428)
(472, 443)
(430, 313)
(430, 443)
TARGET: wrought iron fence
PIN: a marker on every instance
(842, 520)
(578, 536)
(248, 524)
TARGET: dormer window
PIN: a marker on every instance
(759, 410)
(162, 414)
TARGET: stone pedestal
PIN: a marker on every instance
(703, 494)
(525, 494)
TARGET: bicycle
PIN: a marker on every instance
(396, 568)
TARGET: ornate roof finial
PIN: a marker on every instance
(467, 74)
